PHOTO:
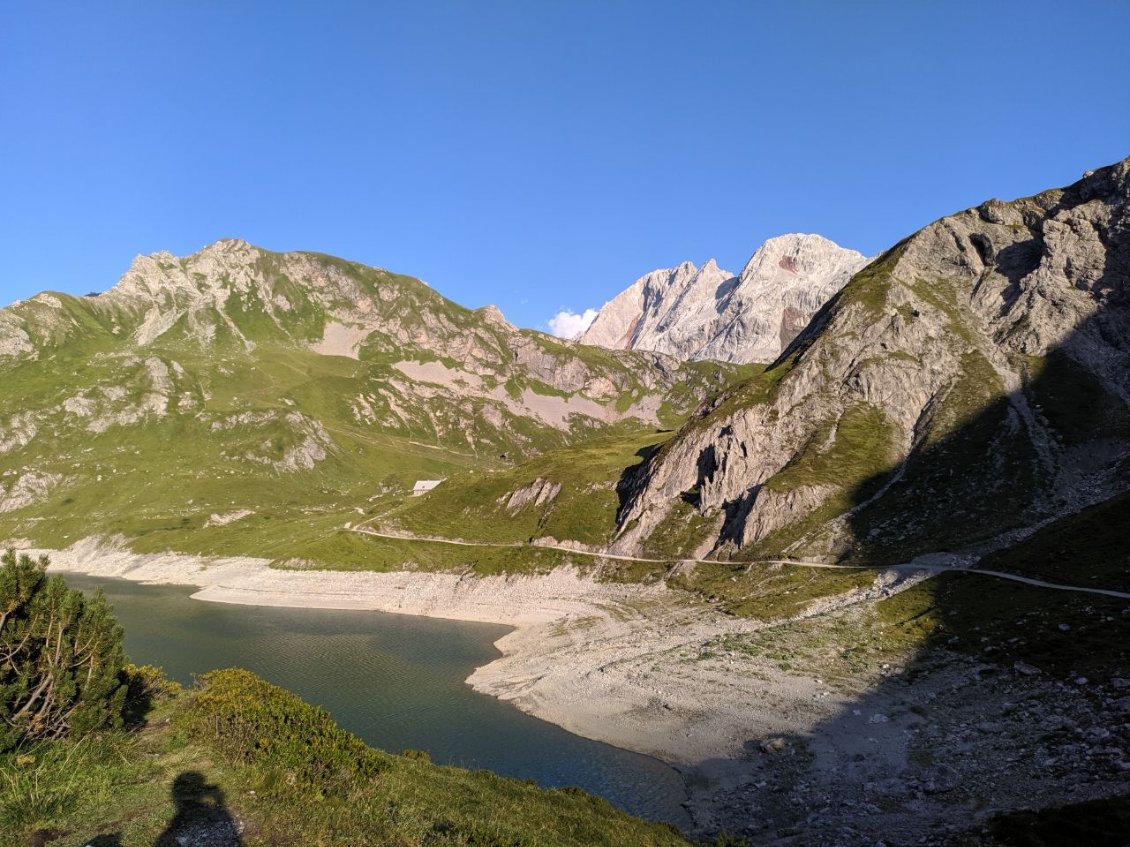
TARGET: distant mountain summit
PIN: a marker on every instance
(708, 313)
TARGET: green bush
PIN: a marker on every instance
(61, 656)
(252, 722)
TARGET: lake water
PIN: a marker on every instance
(396, 681)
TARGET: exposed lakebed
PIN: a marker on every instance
(396, 681)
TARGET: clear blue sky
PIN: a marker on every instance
(536, 155)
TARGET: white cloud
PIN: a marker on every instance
(568, 324)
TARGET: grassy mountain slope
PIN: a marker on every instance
(568, 494)
(241, 401)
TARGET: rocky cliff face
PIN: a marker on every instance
(707, 313)
(971, 381)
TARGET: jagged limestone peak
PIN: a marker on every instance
(801, 254)
(708, 313)
(619, 318)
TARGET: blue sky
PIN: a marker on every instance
(534, 155)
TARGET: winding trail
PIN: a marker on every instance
(932, 570)
(1039, 583)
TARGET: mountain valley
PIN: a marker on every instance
(278, 393)
(819, 534)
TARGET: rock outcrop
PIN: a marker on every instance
(708, 313)
(975, 379)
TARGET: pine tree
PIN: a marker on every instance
(61, 656)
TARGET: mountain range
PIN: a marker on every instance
(856, 527)
(969, 383)
(965, 388)
(285, 386)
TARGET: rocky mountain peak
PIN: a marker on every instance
(800, 253)
(708, 313)
(162, 272)
(227, 245)
(493, 316)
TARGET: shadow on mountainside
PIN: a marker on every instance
(980, 697)
(624, 485)
(1059, 442)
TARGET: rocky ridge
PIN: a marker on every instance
(239, 363)
(236, 294)
(993, 341)
(708, 313)
(233, 296)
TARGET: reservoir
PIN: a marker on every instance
(396, 681)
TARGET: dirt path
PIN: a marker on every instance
(931, 569)
(1055, 586)
(458, 542)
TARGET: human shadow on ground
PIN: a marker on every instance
(202, 818)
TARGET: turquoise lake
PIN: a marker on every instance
(396, 681)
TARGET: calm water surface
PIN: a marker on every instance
(396, 681)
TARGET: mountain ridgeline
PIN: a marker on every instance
(965, 387)
(239, 400)
(971, 382)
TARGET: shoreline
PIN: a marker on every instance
(601, 660)
(765, 746)
(565, 626)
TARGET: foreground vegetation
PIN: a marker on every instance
(62, 670)
(281, 772)
(96, 751)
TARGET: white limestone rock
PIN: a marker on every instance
(31, 487)
(708, 313)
